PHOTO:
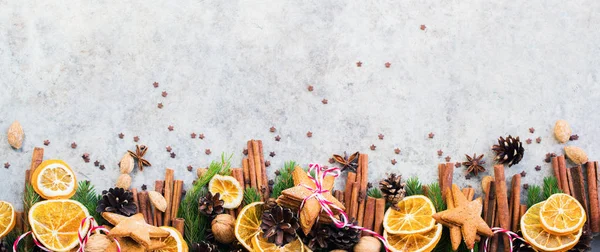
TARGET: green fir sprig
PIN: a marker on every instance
(534, 195)
(375, 193)
(251, 195)
(434, 193)
(550, 187)
(195, 223)
(226, 165)
(284, 180)
(413, 187)
(87, 196)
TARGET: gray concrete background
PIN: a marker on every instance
(83, 72)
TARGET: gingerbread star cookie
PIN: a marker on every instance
(134, 227)
(294, 196)
(467, 215)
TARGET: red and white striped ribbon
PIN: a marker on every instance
(326, 205)
(83, 234)
(511, 235)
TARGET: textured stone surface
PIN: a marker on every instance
(83, 72)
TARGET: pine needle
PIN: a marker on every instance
(434, 193)
(86, 195)
(251, 195)
(30, 198)
(550, 187)
(284, 180)
(534, 195)
(375, 193)
(413, 187)
(226, 165)
(195, 223)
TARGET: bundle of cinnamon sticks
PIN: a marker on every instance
(172, 190)
(254, 169)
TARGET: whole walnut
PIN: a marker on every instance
(97, 243)
(223, 228)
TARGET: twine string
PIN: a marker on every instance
(511, 235)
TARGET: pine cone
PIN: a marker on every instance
(584, 243)
(117, 200)
(318, 237)
(270, 203)
(392, 188)
(344, 238)
(279, 225)
(211, 205)
(508, 151)
(204, 246)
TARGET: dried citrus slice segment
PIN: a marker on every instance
(562, 214)
(55, 223)
(54, 179)
(262, 245)
(248, 223)
(535, 234)
(174, 241)
(230, 189)
(414, 242)
(412, 215)
(7, 218)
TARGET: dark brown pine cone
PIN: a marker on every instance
(211, 205)
(508, 151)
(117, 200)
(344, 238)
(279, 225)
(392, 188)
(318, 237)
(204, 246)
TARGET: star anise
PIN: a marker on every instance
(474, 164)
(348, 162)
(140, 150)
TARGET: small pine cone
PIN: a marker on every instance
(344, 238)
(508, 151)
(211, 205)
(392, 188)
(204, 246)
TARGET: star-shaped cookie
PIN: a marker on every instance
(467, 215)
(134, 227)
(311, 208)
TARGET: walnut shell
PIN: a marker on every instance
(158, 201)
(124, 181)
(368, 244)
(127, 163)
(562, 131)
(223, 228)
(15, 135)
(576, 154)
(97, 243)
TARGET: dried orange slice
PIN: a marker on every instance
(262, 245)
(414, 242)
(536, 235)
(55, 223)
(230, 189)
(562, 214)
(174, 241)
(412, 215)
(248, 223)
(7, 218)
(54, 179)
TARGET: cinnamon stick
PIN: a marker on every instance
(143, 198)
(502, 201)
(447, 173)
(354, 198)
(562, 172)
(522, 211)
(369, 218)
(134, 192)
(489, 209)
(379, 213)
(348, 192)
(36, 159)
(168, 193)
(570, 181)
(258, 168)
(19, 226)
(495, 239)
(238, 175)
(441, 168)
(363, 160)
(556, 171)
(579, 190)
(263, 167)
(179, 224)
(177, 193)
(246, 173)
(594, 215)
(158, 218)
(516, 195)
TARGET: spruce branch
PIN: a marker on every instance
(550, 187)
(284, 180)
(534, 195)
(86, 195)
(251, 195)
(413, 187)
(375, 193)
(434, 193)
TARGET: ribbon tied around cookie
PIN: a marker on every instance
(326, 205)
